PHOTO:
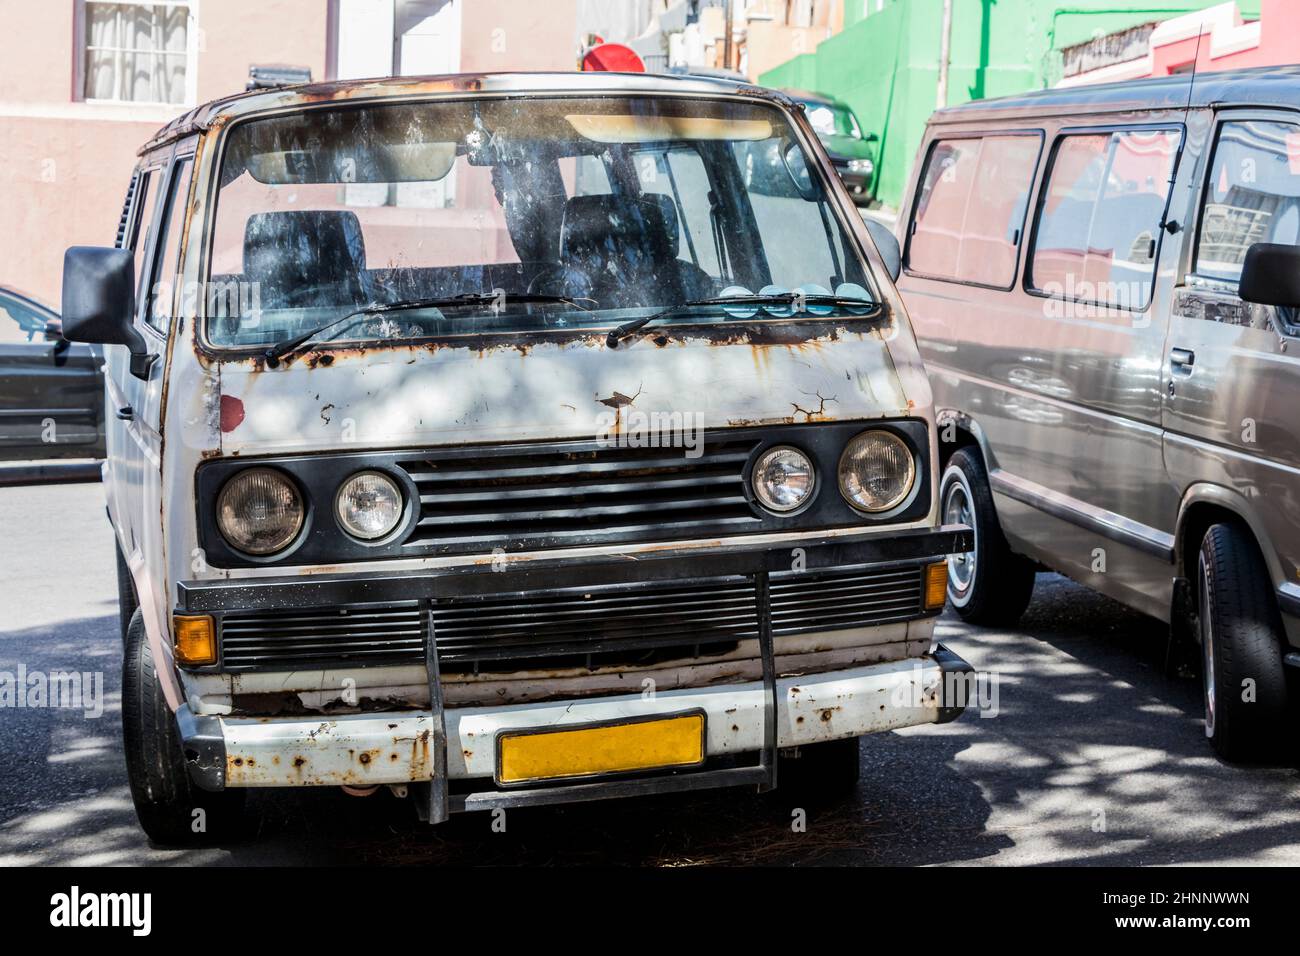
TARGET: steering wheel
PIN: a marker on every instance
(561, 279)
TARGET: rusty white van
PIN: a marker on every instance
(505, 440)
(1104, 284)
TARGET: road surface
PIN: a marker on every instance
(1093, 757)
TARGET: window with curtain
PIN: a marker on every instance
(136, 52)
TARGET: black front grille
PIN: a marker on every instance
(572, 493)
(572, 627)
(595, 627)
(314, 638)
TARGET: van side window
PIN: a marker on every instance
(1252, 195)
(970, 212)
(147, 196)
(1099, 218)
(166, 259)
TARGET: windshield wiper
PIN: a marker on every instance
(803, 299)
(462, 300)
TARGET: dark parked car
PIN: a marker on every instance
(51, 391)
(851, 151)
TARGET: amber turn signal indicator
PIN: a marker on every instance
(195, 640)
(936, 584)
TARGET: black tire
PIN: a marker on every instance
(166, 800)
(1239, 629)
(821, 773)
(992, 585)
(127, 599)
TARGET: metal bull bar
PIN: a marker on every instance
(755, 563)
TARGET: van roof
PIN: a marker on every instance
(1273, 86)
(216, 112)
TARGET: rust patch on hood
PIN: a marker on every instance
(813, 414)
(760, 336)
(619, 400)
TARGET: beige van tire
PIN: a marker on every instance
(991, 585)
(1241, 652)
(167, 801)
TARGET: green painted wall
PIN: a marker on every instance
(885, 62)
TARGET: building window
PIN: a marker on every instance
(137, 52)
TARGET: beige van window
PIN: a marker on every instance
(970, 211)
(1252, 195)
(1099, 220)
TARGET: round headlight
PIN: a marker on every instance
(259, 511)
(876, 471)
(783, 479)
(369, 505)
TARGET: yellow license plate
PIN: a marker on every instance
(593, 750)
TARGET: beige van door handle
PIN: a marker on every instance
(1182, 360)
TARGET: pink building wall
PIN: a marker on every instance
(65, 164)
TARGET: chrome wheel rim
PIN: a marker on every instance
(1207, 644)
(957, 509)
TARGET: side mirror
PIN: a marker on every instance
(99, 302)
(887, 243)
(796, 167)
(871, 138)
(1271, 275)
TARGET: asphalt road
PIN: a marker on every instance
(1094, 757)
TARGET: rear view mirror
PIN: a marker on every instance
(797, 168)
(99, 301)
(887, 243)
(1271, 275)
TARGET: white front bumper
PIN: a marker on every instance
(396, 747)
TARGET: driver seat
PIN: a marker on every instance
(305, 258)
(625, 247)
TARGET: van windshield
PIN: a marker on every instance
(590, 211)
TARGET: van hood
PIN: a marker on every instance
(383, 396)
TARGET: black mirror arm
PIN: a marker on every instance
(141, 362)
(141, 358)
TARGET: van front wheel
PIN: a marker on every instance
(990, 584)
(1244, 680)
(172, 810)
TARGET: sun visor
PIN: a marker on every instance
(631, 128)
(379, 163)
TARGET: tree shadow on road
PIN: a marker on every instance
(1096, 756)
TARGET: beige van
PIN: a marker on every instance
(1103, 283)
